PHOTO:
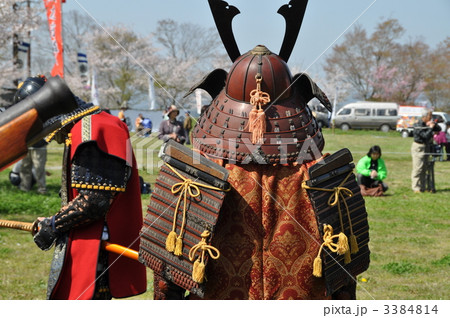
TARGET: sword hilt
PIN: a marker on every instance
(33, 228)
(24, 226)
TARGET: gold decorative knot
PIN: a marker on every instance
(328, 238)
(204, 247)
(174, 243)
(257, 119)
(187, 186)
(342, 247)
(339, 192)
(258, 97)
(198, 270)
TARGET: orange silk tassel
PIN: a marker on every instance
(257, 117)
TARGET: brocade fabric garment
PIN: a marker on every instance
(267, 236)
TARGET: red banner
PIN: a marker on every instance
(53, 8)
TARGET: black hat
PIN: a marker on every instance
(28, 87)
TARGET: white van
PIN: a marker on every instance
(367, 115)
(409, 115)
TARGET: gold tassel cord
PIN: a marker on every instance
(198, 270)
(342, 247)
(338, 195)
(174, 242)
(328, 238)
(257, 117)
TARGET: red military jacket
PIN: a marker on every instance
(127, 277)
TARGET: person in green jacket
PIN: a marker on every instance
(371, 169)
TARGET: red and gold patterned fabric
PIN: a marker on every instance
(267, 235)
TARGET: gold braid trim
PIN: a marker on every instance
(70, 119)
(97, 187)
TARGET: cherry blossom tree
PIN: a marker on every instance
(120, 58)
(17, 19)
(379, 67)
(438, 76)
(76, 27)
(390, 84)
(185, 58)
(351, 59)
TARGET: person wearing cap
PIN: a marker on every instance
(187, 125)
(172, 128)
(101, 201)
(423, 138)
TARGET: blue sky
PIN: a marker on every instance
(258, 23)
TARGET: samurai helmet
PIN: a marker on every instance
(259, 110)
(28, 87)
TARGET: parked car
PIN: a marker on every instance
(367, 115)
(440, 117)
(321, 113)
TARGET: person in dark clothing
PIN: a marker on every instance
(172, 128)
(423, 136)
(147, 126)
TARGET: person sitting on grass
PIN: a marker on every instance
(371, 170)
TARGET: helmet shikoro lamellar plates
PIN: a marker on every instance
(290, 133)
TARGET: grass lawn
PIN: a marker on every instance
(409, 233)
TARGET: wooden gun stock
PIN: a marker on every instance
(13, 144)
(22, 125)
(14, 137)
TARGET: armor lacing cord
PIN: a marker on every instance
(335, 198)
(174, 243)
(198, 270)
(257, 117)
